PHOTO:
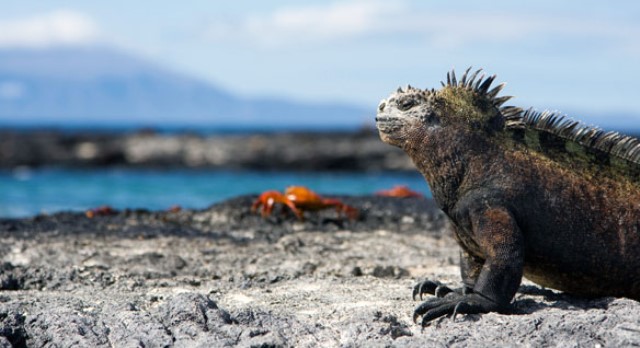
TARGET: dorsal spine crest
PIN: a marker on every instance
(550, 122)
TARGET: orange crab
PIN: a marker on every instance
(400, 191)
(103, 210)
(299, 199)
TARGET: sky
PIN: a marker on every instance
(579, 57)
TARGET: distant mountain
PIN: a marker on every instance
(99, 86)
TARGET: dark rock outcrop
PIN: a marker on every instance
(347, 151)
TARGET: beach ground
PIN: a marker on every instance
(225, 276)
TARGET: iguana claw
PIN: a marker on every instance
(452, 305)
(436, 288)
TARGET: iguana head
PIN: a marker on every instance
(411, 112)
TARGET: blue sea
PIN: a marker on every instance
(26, 192)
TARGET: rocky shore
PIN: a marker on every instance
(224, 276)
(348, 151)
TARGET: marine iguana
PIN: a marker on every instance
(528, 193)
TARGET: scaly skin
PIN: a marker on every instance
(526, 196)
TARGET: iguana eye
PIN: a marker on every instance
(406, 103)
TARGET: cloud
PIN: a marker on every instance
(62, 27)
(335, 21)
(355, 19)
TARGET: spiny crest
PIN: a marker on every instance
(407, 89)
(622, 146)
(477, 82)
(619, 145)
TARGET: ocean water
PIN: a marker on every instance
(26, 192)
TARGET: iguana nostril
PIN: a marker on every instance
(381, 106)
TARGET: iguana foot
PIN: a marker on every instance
(438, 289)
(452, 305)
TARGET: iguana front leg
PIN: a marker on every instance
(498, 236)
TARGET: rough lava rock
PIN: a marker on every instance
(323, 151)
(224, 276)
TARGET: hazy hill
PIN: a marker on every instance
(99, 86)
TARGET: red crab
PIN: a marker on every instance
(174, 209)
(299, 199)
(400, 191)
(104, 210)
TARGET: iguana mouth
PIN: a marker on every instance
(388, 124)
(386, 119)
